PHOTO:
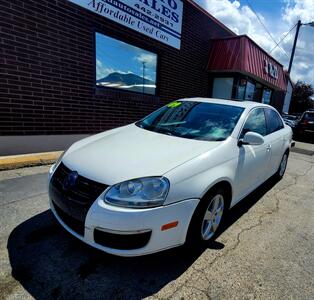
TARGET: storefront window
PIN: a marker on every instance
(249, 91)
(245, 90)
(241, 89)
(258, 92)
(266, 96)
(123, 66)
(222, 88)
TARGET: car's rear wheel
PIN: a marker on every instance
(207, 218)
(283, 165)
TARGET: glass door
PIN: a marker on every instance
(266, 96)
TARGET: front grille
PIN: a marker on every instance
(74, 224)
(72, 204)
(122, 241)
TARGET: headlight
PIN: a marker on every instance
(138, 193)
(56, 164)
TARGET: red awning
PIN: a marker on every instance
(241, 54)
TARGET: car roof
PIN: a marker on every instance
(239, 103)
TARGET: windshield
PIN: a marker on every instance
(194, 120)
(309, 116)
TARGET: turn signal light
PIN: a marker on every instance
(169, 225)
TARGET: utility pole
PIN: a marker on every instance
(294, 45)
(144, 62)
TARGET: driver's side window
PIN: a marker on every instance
(255, 122)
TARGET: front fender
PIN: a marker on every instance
(196, 177)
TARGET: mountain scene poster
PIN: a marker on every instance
(123, 66)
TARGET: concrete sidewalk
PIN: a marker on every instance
(303, 148)
(28, 160)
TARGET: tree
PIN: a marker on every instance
(301, 97)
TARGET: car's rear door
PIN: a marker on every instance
(275, 138)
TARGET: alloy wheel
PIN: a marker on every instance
(212, 217)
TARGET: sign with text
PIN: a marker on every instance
(158, 19)
(270, 69)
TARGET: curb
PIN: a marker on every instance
(28, 160)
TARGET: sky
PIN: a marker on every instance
(116, 56)
(278, 16)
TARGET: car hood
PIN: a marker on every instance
(131, 152)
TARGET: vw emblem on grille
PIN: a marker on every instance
(70, 180)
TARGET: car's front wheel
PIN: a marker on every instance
(207, 218)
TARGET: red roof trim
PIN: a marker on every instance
(246, 36)
(241, 54)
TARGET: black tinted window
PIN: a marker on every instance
(309, 116)
(194, 120)
(255, 122)
(274, 123)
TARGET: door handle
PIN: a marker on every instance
(268, 148)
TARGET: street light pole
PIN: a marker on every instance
(294, 45)
(299, 24)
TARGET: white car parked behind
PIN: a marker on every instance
(168, 178)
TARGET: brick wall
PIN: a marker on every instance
(47, 68)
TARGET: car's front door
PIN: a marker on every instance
(253, 160)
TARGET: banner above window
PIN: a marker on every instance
(158, 19)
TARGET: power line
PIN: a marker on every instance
(277, 44)
(270, 35)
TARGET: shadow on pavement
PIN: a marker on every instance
(245, 205)
(51, 264)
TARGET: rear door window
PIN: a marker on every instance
(274, 123)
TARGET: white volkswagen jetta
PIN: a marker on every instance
(168, 178)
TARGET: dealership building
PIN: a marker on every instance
(71, 68)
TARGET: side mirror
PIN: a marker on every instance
(251, 138)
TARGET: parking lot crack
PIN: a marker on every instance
(261, 218)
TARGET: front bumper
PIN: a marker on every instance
(125, 222)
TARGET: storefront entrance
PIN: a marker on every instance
(240, 88)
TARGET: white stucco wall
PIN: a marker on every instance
(286, 104)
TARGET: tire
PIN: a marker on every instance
(201, 230)
(283, 166)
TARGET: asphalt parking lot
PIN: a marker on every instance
(264, 251)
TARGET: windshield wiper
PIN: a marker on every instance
(168, 133)
(157, 129)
